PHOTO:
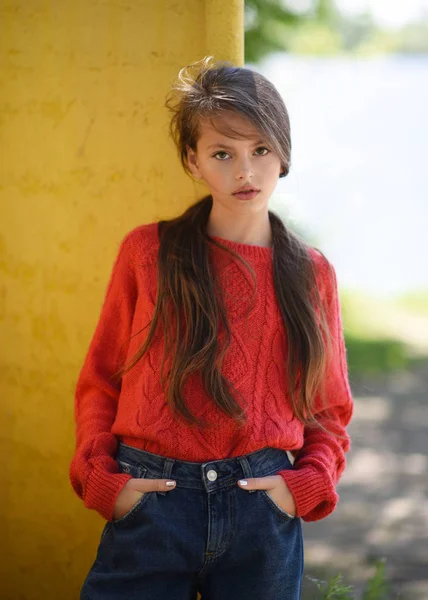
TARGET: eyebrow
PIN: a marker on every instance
(230, 147)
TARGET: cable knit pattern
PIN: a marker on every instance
(135, 410)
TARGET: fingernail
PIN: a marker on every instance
(243, 482)
(170, 483)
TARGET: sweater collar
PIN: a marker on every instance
(258, 253)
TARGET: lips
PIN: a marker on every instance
(246, 194)
(246, 189)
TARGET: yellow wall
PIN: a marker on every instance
(85, 156)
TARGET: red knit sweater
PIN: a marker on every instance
(135, 411)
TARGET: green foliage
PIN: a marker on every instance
(380, 42)
(275, 25)
(384, 334)
(376, 588)
(375, 356)
(317, 27)
(335, 589)
(267, 27)
(413, 38)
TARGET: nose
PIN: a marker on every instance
(244, 169)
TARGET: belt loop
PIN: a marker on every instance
(246, 469)
(167, 469)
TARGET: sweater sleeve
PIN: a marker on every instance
(321, 460)
(94, 472)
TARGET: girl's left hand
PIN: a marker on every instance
(277, 489)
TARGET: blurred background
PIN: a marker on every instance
(85, 157)
(354, 77)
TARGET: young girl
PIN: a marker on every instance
(218, 351)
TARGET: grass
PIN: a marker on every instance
(384, 334)
(376, 588)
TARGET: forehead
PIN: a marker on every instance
(230, 126)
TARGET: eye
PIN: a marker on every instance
(262, 148)
(220, 152)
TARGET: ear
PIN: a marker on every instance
(192, 161)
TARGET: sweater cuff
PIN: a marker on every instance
(313, 494)
(102, 490)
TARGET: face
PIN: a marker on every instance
(225, 164)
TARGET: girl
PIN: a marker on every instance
(183, 431)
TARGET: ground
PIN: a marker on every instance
(383, 507)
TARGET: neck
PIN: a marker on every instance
(252, 231)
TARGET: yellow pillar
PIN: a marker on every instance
(85, 157)
(224, 30)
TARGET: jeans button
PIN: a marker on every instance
(212, 475)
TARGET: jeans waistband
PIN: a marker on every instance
(211, 475)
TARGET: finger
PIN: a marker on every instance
(152, 485)
(260, 483)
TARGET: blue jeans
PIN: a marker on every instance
(207, 535)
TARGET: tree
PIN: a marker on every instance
(272, 25)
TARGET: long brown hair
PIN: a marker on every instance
(189, 305)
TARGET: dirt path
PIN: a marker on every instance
(383, 508)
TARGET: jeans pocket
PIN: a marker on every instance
(273, 505)
(106, 529)
(271, 502)
(138, 472)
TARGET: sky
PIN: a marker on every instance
(390, 14)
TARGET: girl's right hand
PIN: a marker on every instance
(132, 492)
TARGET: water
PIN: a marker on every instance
(358, 180)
